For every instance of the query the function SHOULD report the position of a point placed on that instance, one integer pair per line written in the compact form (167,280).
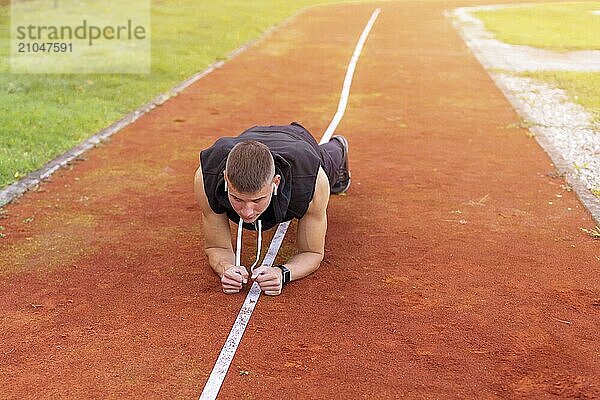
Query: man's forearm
(303,264)
(219,258)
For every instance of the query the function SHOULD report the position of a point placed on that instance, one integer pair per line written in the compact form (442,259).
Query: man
(265,176)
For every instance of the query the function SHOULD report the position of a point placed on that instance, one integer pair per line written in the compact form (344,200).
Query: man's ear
(276,180)
(225,178)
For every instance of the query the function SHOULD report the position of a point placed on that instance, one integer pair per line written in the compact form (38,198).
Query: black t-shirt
(297,161)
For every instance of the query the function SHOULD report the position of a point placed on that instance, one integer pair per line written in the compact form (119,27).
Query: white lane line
(215,380)
(348,79)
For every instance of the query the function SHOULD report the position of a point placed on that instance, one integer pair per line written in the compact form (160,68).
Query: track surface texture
(454,267)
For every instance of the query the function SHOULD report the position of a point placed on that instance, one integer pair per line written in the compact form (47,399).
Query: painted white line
(348,79)
(215,380)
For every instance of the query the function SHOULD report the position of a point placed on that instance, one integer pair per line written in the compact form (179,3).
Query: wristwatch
(287,274)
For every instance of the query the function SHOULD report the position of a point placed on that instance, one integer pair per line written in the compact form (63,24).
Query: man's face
(249,206)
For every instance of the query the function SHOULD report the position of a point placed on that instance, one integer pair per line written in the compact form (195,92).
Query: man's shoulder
(320,199)
(199,192)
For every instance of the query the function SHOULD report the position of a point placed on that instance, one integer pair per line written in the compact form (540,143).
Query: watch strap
(285,273)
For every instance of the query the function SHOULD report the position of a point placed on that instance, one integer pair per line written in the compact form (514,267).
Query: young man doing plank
(265,176)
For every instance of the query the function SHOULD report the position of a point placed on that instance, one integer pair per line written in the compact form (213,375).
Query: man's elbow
(321,256)
(318,260)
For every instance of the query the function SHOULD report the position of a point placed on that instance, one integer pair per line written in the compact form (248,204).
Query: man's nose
(247,210)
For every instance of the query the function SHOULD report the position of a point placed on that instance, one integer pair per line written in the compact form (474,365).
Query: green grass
(582,87)
(560,27)
(556,26)
(42,116)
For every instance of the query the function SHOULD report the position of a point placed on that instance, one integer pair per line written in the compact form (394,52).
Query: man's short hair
(249,166)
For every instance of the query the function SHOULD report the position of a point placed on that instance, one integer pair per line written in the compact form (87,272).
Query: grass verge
(42,116)
(555,26)
(583,88)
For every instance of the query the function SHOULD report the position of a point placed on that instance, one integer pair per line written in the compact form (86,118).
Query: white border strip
(587,198)
(215,380)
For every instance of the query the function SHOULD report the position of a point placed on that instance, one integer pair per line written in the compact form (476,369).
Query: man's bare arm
(217,241)
(312,228)
(310,243)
